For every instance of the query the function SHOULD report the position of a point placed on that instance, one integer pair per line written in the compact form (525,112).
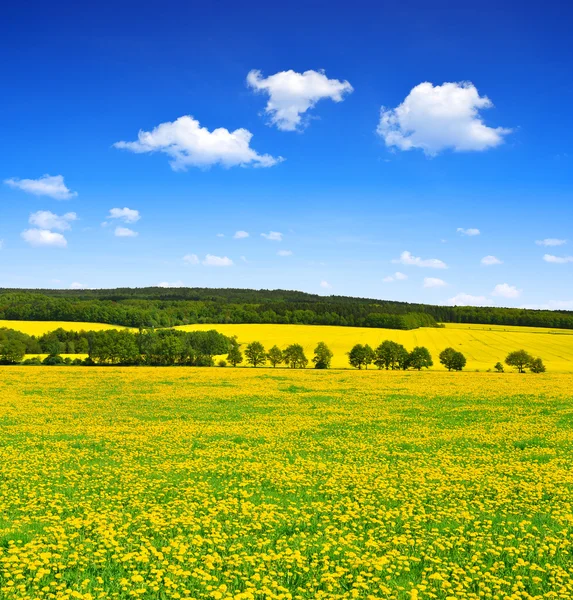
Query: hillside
(168,307)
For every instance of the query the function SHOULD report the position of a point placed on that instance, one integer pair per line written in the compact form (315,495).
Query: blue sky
(353,192)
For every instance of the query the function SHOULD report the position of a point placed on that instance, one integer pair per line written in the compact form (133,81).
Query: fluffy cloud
(190,145)
(433,282)
(292,94)
(490,260)
(125,232)
(47,185)
(127,215)
(76,285)
(240,235)
(470,232)
(406,258)
(463,299)
(44,237)
(273,236)
(551,242)
(44,219)
(434,118)
(558,260)
(284,252)
(166,284)
(504,290)
(325,285)
(191,259)
(217,261)
(396,277)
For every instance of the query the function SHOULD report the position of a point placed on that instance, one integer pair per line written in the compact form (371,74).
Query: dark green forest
(161,307)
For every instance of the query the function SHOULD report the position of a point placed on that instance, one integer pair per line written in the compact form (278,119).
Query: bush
(35,361)
(499,367)
(222,363)
(53,359)
(537,366)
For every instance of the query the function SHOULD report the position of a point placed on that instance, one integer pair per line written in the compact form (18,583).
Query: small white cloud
(127,215)
(274,236)
(406,258)
(47,185)
(558,260)
(470,232)
(551,242)
(244,259)
(189,145)
(504,290)
(217,261)
(221,235)
(292,94)
(44,219)
(550,258)
(285,253)
(44,237)
(166,284)
(125,232)
(325,285)
(191,259)
(396,277)
(433,282)
(463,299)
(240,235)
(490,260)
(76,285)
(434,118)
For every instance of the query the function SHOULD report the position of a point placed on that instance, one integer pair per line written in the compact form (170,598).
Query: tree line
(160,307)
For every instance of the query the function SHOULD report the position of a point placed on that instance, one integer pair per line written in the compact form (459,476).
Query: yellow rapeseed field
(483,345)
(41,327)
(252,484)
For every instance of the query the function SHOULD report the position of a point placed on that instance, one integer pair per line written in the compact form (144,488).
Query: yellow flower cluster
(263,484)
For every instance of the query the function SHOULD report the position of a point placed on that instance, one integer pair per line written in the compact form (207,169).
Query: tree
(386,355)
(519,359)
(498,367)
(537,366)
(402,358)
(12,351)
(322,356)
(256,354)
(452,359)
(420,357)
(275,356)
(235,356)
(356,356)
(369,355)
(294,356)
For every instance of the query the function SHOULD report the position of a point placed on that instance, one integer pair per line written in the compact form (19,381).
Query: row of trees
(292,356)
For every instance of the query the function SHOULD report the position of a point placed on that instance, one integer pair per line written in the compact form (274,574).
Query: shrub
(537,366)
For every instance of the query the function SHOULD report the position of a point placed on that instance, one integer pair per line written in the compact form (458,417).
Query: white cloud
(552,305)
(47,185)
(190,145)
(558,260)
(434,118)
(284,252)
(274,236)
(471,231)
(406,258)
(551,242)
(240,235)
(221,235)
(44,219)
(44,237)
(490,260)
(433,282)
(292,94)
(463,299)
(504,290)
(191,259)
(325,285)
(127,215)
(76,285)
(125,232)
(217,261)
(166,284)
(396,277)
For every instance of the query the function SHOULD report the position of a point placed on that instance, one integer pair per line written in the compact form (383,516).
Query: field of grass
(258,484)
(482,347)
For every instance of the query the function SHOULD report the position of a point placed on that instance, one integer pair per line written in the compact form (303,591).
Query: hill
(168,307)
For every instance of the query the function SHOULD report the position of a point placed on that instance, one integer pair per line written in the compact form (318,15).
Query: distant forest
(167,307)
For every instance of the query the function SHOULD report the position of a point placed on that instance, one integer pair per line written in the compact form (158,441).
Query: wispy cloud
(551,242)
(406,258)
(273,236)
(472,231)
(558,260)
(488,261)
(47,185)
